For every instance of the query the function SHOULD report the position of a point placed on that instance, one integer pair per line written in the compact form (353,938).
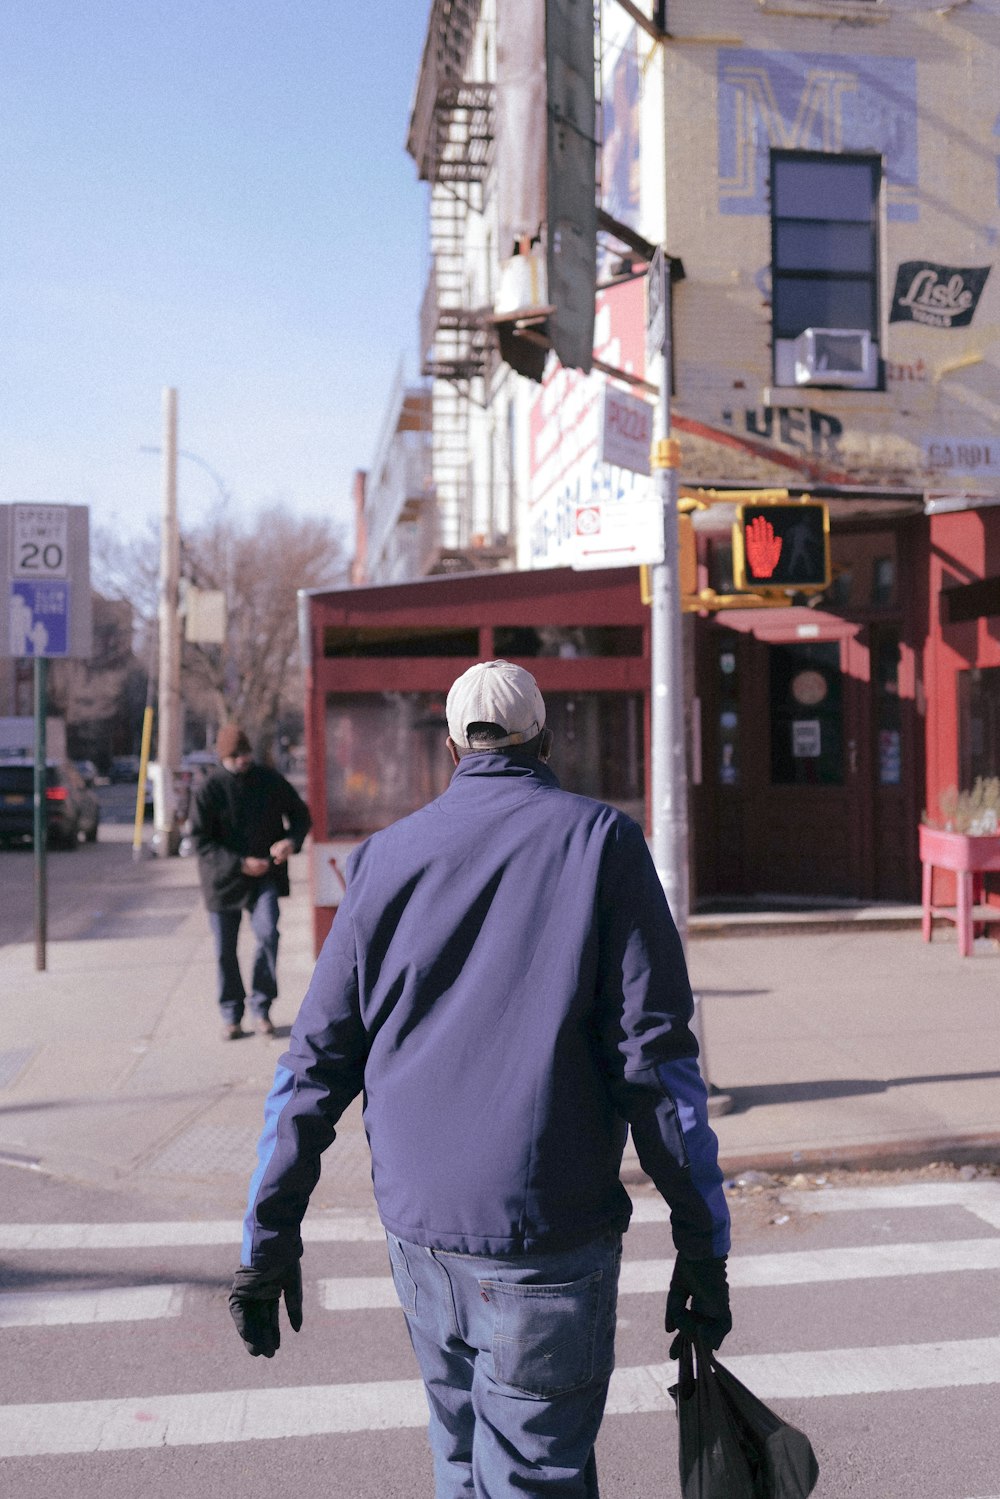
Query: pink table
(969,858)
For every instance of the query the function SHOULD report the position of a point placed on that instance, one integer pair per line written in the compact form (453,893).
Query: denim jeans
(516,1355)
(263,913)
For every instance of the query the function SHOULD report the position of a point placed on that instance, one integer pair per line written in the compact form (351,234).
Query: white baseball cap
(496,692)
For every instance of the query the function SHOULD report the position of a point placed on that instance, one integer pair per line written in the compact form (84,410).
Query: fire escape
(451,138)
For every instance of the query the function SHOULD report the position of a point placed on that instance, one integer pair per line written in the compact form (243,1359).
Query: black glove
(704,1284)
(253,1302)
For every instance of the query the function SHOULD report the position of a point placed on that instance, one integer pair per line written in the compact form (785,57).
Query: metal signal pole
(669,759)
(669,728)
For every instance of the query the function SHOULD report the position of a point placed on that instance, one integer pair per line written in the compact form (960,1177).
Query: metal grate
(209,1150)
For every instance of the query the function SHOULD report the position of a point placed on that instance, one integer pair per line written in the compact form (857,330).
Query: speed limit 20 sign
(40,541)
(45,552)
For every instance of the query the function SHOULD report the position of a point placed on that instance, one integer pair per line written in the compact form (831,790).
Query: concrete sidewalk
(837,1044)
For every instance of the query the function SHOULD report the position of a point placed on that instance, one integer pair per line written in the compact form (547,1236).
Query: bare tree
(259,567)
(259,563)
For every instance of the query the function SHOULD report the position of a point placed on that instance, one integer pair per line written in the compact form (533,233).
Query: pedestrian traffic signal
(782,546)
(687,557)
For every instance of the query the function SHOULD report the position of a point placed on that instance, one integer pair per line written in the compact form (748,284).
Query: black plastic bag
(731,1445)
(713,1464)
(780,1455)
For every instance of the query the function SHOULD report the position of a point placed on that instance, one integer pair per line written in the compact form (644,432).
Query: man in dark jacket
(247,821)
(504,982)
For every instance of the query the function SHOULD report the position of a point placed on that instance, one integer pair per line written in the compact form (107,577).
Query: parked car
(124,768)
(197,766)
(72,811)
(87,769)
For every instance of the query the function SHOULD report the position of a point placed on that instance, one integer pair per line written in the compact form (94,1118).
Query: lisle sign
(939,296)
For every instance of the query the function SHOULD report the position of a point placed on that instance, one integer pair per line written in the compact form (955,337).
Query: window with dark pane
(824,241)
(806,703)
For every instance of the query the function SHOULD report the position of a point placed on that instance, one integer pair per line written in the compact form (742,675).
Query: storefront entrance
(803,743)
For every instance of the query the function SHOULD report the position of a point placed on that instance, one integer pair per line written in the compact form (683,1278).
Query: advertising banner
(939,296)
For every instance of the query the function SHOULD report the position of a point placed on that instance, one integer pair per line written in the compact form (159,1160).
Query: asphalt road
(122,1373)
(72,875)
(872,1321)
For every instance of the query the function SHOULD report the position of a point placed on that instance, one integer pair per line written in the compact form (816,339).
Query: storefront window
(806,715)
(979,723)
(598,745)
(386,754)
(567,641)
(385,757)
(729,712)
(885,662)
(374,641)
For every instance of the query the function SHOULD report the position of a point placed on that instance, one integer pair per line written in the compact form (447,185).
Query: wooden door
(802,803)
(784,807)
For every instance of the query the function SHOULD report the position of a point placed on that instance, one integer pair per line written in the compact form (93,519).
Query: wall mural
(814,101)
(797,427)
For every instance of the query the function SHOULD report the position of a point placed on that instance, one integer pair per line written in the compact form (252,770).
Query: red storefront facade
(963,650)
(379,664)
(817,735)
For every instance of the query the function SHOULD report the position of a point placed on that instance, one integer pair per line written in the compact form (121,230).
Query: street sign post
(46,552)
(46,556)
(669,758)
(669,749)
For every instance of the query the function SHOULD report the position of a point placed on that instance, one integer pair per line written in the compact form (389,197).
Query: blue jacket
(505,983)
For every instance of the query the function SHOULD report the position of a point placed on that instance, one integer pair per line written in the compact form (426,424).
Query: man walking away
(247,822)
(505,983)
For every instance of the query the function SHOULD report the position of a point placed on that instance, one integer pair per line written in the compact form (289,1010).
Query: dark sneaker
(232,1032)
(263,1026)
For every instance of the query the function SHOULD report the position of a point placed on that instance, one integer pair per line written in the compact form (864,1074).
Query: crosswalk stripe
(867,1262)
(372,1292)
(61,1308)
(829,1372)
(348,1293)
(979,1197)
(321,1410)
(315,1230)
(357,1293)
(650,1210)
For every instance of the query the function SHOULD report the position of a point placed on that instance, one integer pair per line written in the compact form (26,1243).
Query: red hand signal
(763,547)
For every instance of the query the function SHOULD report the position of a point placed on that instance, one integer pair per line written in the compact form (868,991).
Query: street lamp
(166,831)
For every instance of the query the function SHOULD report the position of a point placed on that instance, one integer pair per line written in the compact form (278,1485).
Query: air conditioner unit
(835,356)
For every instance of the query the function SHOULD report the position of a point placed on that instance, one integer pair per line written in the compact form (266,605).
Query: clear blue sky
(214,195)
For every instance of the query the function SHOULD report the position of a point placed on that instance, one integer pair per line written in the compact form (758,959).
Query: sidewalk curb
(869,1155)
(769,925)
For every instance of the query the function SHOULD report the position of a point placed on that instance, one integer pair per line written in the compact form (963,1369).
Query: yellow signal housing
(781,544)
